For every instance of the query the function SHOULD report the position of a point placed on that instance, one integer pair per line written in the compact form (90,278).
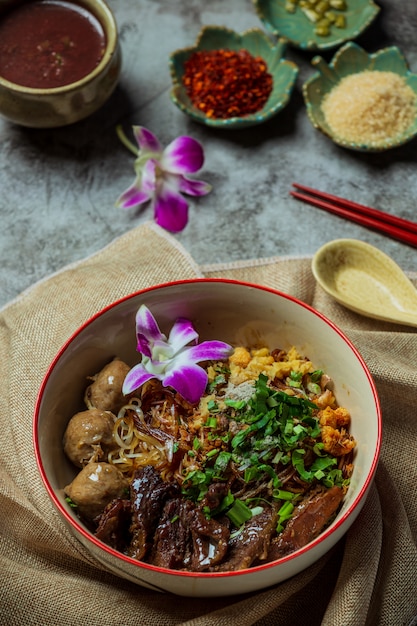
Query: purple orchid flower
(160,177)
(171,360)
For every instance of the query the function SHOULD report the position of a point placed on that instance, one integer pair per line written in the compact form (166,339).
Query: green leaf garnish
(239,513)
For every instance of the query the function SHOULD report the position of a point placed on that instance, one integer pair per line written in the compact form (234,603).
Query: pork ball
(94,487)
(89,436)
(105,392)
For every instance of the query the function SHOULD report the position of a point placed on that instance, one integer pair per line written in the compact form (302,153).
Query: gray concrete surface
(58,187)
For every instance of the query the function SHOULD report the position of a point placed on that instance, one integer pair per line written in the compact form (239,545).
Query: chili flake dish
(226,83)
(206,88)
(208,468)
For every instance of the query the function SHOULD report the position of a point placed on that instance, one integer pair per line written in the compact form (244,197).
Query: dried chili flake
(226,83)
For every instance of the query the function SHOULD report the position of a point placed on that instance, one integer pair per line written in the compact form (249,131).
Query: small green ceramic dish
(352,59)
(300,31)
(284,73)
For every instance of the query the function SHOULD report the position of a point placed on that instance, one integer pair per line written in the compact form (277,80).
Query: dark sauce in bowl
(49,43)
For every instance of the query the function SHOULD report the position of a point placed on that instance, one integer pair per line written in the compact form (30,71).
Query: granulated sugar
(370,107)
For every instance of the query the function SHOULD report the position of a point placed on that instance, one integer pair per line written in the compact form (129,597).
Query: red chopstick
(395,227)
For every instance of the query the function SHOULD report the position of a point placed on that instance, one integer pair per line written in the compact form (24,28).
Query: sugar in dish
(364,102)
(371,107)
(49,43)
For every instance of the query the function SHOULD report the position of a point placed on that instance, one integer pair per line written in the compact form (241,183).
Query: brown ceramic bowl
(63,105)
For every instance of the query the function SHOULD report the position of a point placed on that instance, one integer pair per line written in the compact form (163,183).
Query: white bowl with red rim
(240,314)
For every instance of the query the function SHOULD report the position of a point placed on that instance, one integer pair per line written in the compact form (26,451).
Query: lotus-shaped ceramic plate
(300,31)
(257,43)
(352,59)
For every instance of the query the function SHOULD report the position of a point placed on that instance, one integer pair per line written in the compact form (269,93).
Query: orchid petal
(184,155)
(147,141)
(149,176)
(147,325)
(189,381)
(144,345)
(172,360)
(170,210)
(133,196)
(181,334)
(160,177)
(194,187)
(135,378)
(205,351)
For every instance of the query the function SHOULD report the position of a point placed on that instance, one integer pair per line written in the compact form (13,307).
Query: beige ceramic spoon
(366,280)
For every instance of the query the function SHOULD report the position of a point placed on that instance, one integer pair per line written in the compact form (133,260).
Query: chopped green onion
(323,463)
(222,462)
(257,510)
(280,494)
(235,404)
(211,422)
(295,379)
(284,514)
(239,513)
(314,388)
(252,473)
(297,459)
(316,376)
(227,501)
(218,380)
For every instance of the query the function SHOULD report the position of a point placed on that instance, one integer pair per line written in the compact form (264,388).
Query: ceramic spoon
(366,280)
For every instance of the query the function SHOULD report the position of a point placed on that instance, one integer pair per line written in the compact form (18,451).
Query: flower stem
(125,141)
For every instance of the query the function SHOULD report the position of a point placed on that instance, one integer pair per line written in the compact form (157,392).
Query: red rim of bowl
(209,575)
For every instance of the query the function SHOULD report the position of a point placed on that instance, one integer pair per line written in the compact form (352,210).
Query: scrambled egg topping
(333,424)
(247,365)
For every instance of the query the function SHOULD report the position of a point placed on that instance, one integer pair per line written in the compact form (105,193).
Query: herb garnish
(275,430)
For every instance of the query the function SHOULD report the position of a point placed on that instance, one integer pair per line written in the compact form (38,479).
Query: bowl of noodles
(207,437)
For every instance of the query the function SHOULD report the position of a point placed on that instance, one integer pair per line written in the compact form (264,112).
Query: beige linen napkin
(48,578)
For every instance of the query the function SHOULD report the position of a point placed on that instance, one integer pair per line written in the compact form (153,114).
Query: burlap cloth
(48,578)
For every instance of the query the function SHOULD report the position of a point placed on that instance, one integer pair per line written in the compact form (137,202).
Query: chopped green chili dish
(324,14)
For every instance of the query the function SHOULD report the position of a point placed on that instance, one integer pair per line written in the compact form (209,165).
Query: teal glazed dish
(284,74)
(300,31)
(349,60)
